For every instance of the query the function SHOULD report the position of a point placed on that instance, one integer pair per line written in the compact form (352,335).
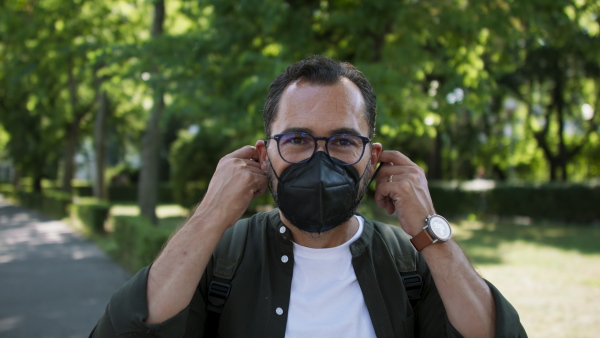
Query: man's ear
(261,149)
(376,150)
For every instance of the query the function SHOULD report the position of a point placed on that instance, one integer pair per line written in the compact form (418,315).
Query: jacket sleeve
(127,311)
(430,309)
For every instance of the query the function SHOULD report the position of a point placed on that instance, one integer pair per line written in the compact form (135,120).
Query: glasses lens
(296,147)
(346,148)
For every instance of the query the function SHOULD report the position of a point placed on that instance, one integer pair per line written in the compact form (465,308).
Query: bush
(92,213)
(126,193)
(83,190)
(56,203)
(138,241)
(51,203)
(563,202)
(7,190)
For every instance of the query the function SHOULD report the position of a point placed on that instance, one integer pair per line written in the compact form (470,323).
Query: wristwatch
(436,228)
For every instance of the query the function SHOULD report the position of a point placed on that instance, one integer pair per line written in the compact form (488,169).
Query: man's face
(321,111)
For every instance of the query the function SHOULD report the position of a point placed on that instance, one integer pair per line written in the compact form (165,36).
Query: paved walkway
(53,282)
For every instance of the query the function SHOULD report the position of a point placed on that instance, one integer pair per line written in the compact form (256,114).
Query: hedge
(125,193)
(92,213)
(138,241)
(563,202)
(51,203)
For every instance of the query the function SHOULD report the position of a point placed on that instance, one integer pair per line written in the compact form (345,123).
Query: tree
(148,183)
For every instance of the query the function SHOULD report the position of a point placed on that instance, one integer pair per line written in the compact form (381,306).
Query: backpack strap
(226,258)
(406,261)
(413,284)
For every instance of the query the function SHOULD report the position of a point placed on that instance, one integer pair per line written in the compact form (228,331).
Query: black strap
(226,258)
(413,284)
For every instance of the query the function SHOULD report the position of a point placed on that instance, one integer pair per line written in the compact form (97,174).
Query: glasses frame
(277,138)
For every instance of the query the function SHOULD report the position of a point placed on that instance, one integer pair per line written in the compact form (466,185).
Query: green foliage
(442,72)
(138,240)
(92,213)
(126,193)
(193,160)
(562,202)
(52,203)
(7,191)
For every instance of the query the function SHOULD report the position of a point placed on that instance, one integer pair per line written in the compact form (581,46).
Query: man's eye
(294,139)
(343,142)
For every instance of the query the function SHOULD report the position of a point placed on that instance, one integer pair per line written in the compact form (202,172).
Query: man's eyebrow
(345,131)
(332,132)
(298,130)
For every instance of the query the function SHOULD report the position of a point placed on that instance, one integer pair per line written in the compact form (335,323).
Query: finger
(388,172)
(261,185)
(395,157)
(253,164)
(254,169)
(246,152)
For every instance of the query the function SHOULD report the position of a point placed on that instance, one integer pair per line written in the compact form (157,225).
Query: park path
(53,282)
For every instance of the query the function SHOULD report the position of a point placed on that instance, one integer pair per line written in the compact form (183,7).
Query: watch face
(440,228)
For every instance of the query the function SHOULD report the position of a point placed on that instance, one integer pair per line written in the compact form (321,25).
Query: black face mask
(318,195)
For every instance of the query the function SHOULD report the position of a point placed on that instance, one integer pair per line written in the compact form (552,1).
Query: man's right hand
(237,180)
(176,272)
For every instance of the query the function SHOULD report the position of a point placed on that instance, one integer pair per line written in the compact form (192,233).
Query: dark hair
(321,71)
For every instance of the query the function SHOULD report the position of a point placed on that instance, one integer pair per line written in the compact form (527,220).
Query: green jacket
(263,281)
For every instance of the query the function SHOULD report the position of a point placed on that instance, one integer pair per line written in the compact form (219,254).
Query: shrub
(92,213)
(55,203)
(138,241)
(7,190)
(563,202)
(125,193)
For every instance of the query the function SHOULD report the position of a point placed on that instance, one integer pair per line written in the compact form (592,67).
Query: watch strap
(421,240)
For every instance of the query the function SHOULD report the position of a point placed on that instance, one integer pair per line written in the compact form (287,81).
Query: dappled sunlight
(549,272)
(162,211)
(9,323)
(51,232)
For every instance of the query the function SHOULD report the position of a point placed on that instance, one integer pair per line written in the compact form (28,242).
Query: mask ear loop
(375,174)
(274,173)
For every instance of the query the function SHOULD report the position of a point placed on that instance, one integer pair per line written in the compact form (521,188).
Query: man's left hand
(402,188)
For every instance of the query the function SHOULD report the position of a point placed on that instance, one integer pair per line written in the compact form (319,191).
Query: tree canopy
(500,89)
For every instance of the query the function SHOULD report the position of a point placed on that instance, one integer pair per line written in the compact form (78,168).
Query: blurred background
(114,114)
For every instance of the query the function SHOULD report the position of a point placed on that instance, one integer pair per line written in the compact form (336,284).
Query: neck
(329,239)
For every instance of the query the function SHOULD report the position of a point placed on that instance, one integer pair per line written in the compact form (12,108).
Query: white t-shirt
(326,300)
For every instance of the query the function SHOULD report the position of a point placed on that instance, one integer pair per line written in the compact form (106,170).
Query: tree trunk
(100,143)
(553,169)
(434,171)
(73,129)
(37,184)
(70,148)
(148,182)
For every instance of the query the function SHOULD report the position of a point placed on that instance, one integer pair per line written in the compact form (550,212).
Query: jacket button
(282,230)
(279,311)
(284,258)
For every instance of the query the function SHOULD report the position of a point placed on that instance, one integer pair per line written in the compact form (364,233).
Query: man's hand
(406,194)
(176,272)
(402,188)
(236,181)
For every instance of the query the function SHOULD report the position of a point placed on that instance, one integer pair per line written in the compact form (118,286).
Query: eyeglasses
(344,149)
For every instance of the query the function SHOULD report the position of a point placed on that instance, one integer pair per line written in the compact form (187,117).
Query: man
(312,268)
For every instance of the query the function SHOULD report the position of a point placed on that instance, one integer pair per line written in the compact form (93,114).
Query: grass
(169,215)
(549,272)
